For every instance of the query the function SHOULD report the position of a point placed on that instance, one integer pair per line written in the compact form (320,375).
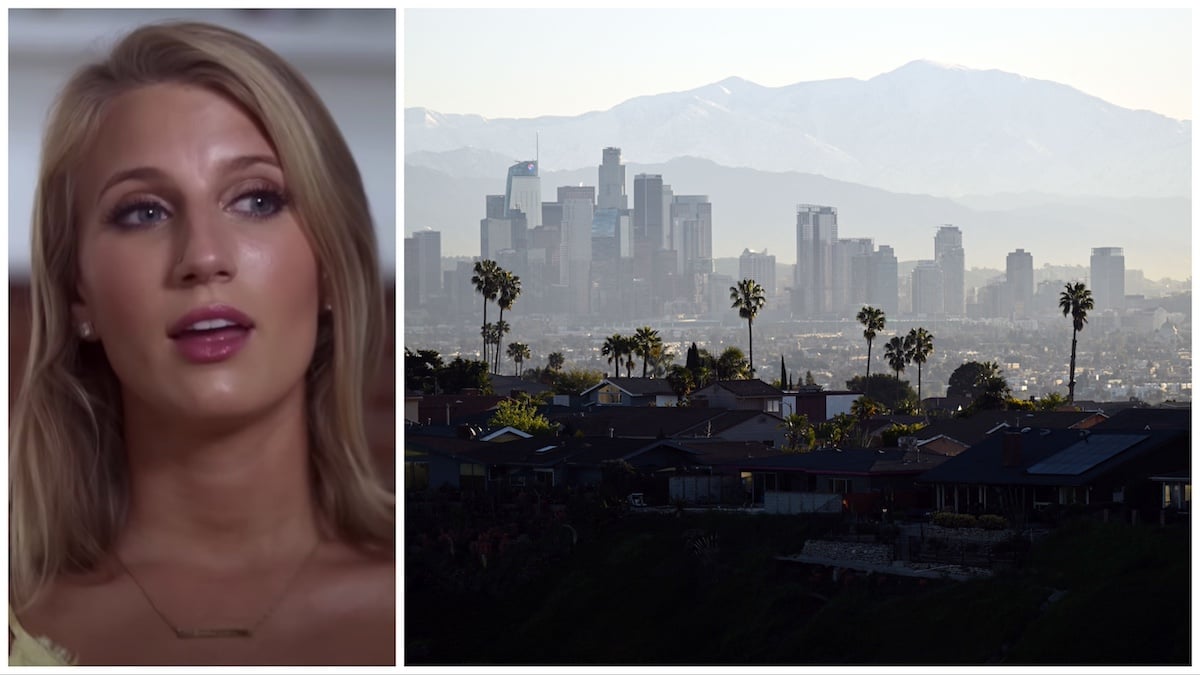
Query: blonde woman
(189,474)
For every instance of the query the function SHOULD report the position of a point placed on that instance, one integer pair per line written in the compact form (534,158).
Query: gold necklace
(221,632)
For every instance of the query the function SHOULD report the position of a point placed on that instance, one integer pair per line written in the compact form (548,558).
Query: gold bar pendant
(195,633)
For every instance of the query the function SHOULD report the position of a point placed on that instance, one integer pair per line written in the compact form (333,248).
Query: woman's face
(193,269)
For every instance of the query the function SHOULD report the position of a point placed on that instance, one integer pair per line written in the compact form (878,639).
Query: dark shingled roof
(636,386)
(856,462)
(651,422)
(748,388)
(982,464)
(1137,419)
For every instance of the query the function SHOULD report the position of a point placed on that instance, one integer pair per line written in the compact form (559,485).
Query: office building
(612,182)
(948,253)
(816,230)
(1018,275)
(428,273)
(1108,278)
(883,284)
(850,272)
(523,192)
(575,253)
(759,266)
(928,289)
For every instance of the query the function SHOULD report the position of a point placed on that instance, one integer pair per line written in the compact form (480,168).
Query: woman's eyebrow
(147,173)
(246,161)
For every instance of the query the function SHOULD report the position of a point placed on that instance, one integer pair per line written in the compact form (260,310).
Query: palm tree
(518,352)
(628,344)
(896,354)
(508,288)
(499,330)
(1075,301)
(798,433)
(486,280)
(748,297)
(920,346)
(613,346)
(644,341)
(661,358)
(873,320)
(555,361)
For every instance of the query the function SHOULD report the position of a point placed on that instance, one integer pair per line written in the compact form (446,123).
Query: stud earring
(86,331)
(328,307)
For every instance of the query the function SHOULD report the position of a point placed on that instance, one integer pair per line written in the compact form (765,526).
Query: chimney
(1011,444)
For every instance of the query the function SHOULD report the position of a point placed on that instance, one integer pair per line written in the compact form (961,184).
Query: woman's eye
(259,204)
(142,214)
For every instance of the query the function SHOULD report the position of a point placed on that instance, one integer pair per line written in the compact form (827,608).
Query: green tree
(420,370)
(836,431)
(555,361)
(518,352)
(680,379)
(889,392)
(645,341)
(461,374)
(873,321)
(732,365)
(798,433)
(920,346)
(521,413)
(966,381)
(748,298)
(1075,301)
(576,381)
(508,289)
(487,283)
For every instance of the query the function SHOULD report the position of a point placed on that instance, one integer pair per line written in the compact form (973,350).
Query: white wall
(349,56)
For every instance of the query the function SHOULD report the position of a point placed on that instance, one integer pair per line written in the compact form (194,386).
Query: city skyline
(1152,70)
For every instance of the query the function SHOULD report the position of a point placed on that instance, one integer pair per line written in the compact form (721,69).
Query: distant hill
(923,128)
(756,209)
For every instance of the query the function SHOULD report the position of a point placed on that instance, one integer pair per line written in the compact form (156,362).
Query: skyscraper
(1018,275)
(524,192)
(578,208)
(948,253)
(816,230)
(691,227)
(759,266)
(1108,277)
(850,266)
(612,182)
(648,211)
(423,266)
(883,284)
(928,289)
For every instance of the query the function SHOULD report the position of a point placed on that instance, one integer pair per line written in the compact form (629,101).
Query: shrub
(954,520)
(993,522)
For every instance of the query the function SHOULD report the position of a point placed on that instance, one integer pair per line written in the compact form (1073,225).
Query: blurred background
(349,56)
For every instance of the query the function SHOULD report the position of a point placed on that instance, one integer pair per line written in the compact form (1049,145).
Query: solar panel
(1086,454)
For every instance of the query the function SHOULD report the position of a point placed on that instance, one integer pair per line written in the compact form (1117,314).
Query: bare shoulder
(353,608)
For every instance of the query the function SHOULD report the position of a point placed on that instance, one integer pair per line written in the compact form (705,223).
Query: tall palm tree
(498,331)
(920,346)
(518,352)
(486,281)
(555,361)
(748,297)
(645,339)
(628,345)
(612,348)
(873,321)
(896,354)
(1075,301)
(508,288)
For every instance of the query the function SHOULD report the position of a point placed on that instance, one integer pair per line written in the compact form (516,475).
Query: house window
(839,486)
(543,477)
(772,406)
(470,469)
(608,395)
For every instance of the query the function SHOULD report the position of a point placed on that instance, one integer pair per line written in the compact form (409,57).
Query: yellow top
(27,650)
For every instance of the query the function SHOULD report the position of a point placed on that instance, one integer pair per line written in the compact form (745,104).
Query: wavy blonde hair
(67,474)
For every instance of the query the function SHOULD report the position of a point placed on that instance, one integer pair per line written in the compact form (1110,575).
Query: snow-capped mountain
(924,128)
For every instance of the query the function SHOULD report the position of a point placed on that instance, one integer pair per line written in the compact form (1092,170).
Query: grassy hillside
(706,589)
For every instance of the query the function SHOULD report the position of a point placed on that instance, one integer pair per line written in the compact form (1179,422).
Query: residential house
(674,422)
(630,391)
(740,395)
(1018,471)
(819,405)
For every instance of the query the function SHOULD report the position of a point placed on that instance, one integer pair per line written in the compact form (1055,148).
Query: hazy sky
(532,62)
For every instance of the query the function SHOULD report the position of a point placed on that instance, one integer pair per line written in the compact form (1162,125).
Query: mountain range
(1014,161)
